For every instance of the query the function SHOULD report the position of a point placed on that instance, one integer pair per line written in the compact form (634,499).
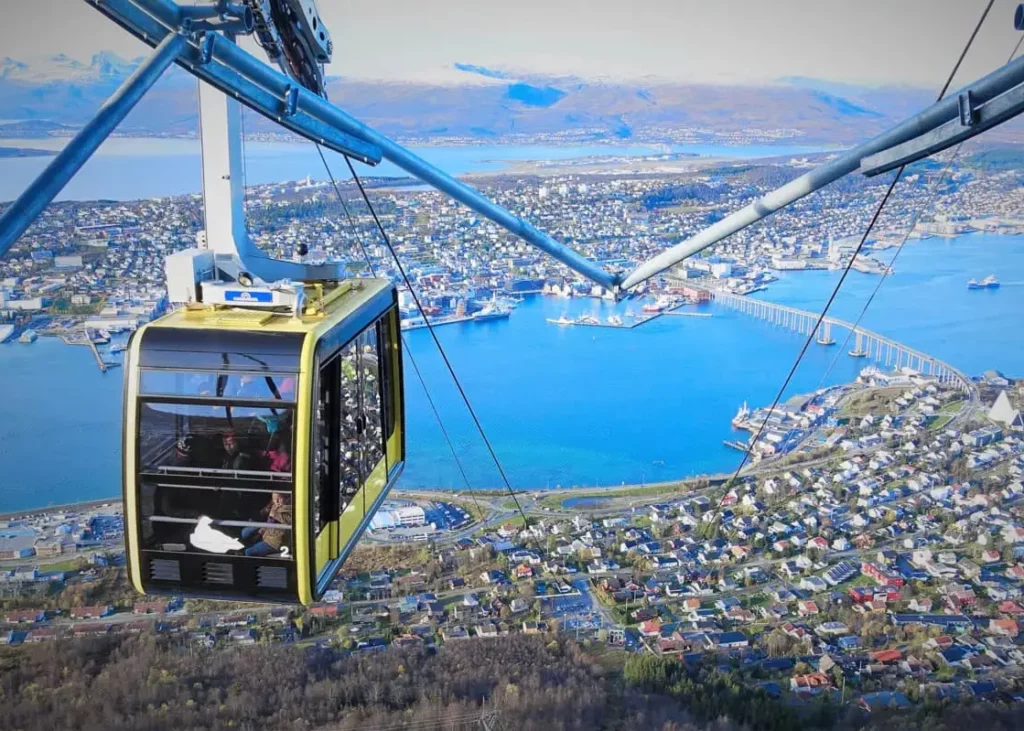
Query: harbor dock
(83,338)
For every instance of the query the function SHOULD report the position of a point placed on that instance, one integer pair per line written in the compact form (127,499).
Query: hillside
(146,683)
(489,105)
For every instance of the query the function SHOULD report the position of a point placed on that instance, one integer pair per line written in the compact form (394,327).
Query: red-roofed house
(809,683)
(887,656)
(651,628)
(43,634)
(794,630)
(1015,572)
(26,615)
(806,608)
(324,610)
(963,597)
(1010,607)
(1005,626)
(942,642)
(818,543)
(876,572)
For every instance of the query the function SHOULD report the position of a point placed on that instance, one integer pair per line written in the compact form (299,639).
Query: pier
(83,338)
(96,353)
(867,344)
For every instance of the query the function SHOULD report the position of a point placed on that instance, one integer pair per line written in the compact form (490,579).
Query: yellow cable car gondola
(259,443)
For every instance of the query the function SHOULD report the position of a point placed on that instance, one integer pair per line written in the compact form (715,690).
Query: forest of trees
(151,682)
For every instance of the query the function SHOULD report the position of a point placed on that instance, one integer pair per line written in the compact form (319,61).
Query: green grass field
(72,564)
(555,501)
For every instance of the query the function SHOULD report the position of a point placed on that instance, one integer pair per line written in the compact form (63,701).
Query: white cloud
(869,41)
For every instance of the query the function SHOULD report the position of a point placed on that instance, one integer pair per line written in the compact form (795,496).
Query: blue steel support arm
(990,88)
(319,108)
(68,161)
(228,56)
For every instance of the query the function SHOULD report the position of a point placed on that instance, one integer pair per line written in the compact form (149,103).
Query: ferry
(492,312)
(989,282)
(563,320)
(29,336)
(5,332)
(658,305)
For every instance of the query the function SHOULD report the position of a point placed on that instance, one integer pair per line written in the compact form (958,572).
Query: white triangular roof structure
(1002,412)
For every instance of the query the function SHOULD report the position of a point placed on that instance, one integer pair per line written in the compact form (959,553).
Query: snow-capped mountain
(103,66)
(66,92)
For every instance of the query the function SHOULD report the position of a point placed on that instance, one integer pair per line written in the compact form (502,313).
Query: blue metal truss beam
(23,211)
(238,73)
(987,89)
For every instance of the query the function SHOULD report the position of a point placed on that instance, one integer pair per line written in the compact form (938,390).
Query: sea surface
(131,168)
(564,406)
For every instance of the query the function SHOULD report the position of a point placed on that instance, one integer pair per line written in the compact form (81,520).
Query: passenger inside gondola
(215,460)
(234,457)
(265,541)
(278,456)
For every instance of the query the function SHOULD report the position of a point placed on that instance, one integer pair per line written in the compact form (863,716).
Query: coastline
(76,507)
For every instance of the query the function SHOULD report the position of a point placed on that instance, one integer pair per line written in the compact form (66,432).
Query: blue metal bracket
(965,106)
(291,101)
(206,48)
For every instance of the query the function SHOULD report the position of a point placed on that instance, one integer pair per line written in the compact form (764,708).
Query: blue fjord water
(130,168)
(563,405)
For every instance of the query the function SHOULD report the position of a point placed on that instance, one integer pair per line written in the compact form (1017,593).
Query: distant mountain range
(43,98)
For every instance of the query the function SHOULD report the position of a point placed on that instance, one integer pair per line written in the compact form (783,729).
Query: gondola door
(325,474)
(363,463)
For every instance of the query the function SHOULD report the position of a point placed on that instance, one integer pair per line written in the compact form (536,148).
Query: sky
(732,41)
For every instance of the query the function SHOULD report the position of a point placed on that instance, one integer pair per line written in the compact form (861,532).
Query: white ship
(5,332)
(563,320)
(741,415)
(29,336)
(492,311)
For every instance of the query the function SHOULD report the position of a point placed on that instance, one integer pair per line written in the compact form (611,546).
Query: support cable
(408,350)
(437,342)
(930,201)
(811,334)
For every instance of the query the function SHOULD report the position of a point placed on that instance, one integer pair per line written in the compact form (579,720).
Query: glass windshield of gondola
(215,465)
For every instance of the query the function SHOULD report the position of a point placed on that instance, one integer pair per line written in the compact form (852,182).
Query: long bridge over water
(867,344)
